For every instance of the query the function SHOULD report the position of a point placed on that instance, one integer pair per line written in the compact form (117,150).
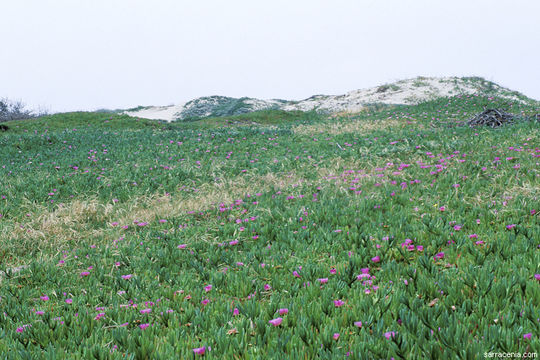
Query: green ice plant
(126,238)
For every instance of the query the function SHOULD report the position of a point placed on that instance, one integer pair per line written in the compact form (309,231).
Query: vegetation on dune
(387,233)
(218,106)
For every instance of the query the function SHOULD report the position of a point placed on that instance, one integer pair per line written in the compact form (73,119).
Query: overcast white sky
(84,55)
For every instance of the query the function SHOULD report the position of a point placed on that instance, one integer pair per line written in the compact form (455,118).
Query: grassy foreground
(387,234)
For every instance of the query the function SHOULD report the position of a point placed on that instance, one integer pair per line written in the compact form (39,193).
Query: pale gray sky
(83,55)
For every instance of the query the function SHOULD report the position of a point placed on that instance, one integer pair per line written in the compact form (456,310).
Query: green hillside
(397,232)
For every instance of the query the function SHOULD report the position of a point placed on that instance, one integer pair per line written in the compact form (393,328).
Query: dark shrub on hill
(16,110)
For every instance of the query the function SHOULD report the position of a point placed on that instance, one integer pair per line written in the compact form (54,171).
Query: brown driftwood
(492,118)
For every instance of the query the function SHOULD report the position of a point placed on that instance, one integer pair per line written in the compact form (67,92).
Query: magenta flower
(20,329)
(205,301)
(511,226)
(363,276)
(182,246)
(323,280)
(376,259)
(85,273)
(276,321)
(234,242)
(333,271)
(144,326)
(338,303)
(537,277)
(208,288)
(69,301)
(527,336)
(336,336)
(419,248)
(358,324)
(44,298)
(283,311)
(389,334)
(146,311)
(295,273)
(236,311)
(439,256)
(200,351)
(40,312)
(126,277)
(267,287)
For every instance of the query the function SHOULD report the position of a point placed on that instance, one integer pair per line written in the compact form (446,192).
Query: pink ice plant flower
(376,259)
(338,303)
(283,311)
(358,324)
(200,351)
(276,321)
(336,336)
(439,256)
(323,280)
(389,334)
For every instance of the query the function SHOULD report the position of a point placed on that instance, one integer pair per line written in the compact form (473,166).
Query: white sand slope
(404,92)
(168,113)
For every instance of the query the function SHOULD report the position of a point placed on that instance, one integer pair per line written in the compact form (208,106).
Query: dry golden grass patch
(208,195)
(499,194)
(53,230)
(76,221)
(526,189)
(66,223)
(348,125)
